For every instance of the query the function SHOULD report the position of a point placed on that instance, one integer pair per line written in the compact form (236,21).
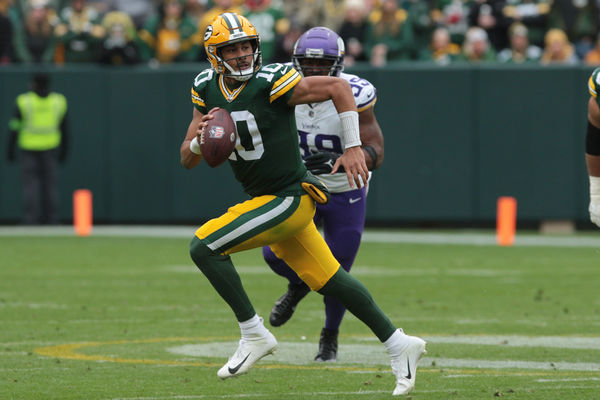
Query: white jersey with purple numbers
(320,129)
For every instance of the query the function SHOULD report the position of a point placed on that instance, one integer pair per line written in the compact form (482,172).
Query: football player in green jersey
(592,146)
(267,162)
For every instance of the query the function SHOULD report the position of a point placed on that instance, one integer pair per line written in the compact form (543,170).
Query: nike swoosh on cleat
(235,369)
(407,363)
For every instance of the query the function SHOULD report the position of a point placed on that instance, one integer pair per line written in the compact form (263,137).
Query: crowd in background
(379,32)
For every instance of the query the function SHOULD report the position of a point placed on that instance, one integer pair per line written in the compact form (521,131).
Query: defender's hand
(353,161)
(322,162)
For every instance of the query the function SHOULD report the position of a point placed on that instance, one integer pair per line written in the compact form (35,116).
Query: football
(218,140)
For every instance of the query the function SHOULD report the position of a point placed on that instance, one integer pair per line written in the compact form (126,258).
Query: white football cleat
(249,351)
(404,366)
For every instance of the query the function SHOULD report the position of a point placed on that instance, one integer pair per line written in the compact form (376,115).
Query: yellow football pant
(283,223)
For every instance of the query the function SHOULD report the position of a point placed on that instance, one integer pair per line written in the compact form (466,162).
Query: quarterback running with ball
(267,163)
(320,52)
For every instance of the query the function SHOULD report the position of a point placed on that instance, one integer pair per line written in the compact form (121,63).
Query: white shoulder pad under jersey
(320,129)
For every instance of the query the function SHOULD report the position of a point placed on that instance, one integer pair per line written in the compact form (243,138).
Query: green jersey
(594,85)
(266,159)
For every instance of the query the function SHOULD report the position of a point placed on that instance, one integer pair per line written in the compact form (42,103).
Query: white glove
(595,199)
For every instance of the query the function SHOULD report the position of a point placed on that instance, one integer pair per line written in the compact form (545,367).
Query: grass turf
(99,317)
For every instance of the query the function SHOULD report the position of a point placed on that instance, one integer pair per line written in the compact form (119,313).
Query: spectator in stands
(119,47)
(579,20)
(196,9)
(531,13)
(220,7)
(270,22)
(34,42)
(390,36)
(558,49)
(318,12)
(354,30)
(592,57)
(420,20)
(79,34)
(170,36)
(284,47)
(39,129)
(441,50)
(101,6)
(138,10)
(488,15)
(520,51)
(452,14)
(476,47)
(6,34)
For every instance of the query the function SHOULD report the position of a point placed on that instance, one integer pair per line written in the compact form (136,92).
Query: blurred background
(476,100)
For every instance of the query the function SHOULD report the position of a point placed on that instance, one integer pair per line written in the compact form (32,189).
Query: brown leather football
(218,140)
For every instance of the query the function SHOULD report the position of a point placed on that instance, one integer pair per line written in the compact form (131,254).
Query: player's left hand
(353,161)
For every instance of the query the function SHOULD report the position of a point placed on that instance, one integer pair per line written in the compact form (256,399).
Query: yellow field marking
(68,351)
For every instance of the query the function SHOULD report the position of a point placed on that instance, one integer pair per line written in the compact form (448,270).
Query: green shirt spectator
(440,50)
(34,41)
(270,22)
(390,35)
(476,47)
(78,34)
(170,36)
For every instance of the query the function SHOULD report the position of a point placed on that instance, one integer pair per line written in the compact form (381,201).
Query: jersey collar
(230,95)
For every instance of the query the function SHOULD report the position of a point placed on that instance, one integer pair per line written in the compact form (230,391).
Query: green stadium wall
(456,138)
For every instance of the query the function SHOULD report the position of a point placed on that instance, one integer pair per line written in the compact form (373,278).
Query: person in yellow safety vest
(39,127)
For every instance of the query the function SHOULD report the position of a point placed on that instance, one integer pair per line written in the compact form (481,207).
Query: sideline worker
(39,126)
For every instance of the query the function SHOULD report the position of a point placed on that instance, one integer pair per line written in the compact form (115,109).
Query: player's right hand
(353,161)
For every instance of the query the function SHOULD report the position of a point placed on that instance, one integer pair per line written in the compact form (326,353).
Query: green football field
(126,315)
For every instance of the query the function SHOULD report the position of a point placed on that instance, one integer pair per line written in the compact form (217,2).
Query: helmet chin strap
(241,75)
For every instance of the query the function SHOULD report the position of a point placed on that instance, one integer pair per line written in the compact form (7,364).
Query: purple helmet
(320,43)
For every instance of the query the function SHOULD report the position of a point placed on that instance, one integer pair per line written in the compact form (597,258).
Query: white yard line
(460,237)
(257,395)
(300,353)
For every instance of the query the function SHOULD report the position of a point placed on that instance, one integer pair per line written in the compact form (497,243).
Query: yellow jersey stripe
(284,84)
(368,105)
(228,94)
(592,87)
(196,99)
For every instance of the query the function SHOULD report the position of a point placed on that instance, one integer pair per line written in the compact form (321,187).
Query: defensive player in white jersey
(320,51)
